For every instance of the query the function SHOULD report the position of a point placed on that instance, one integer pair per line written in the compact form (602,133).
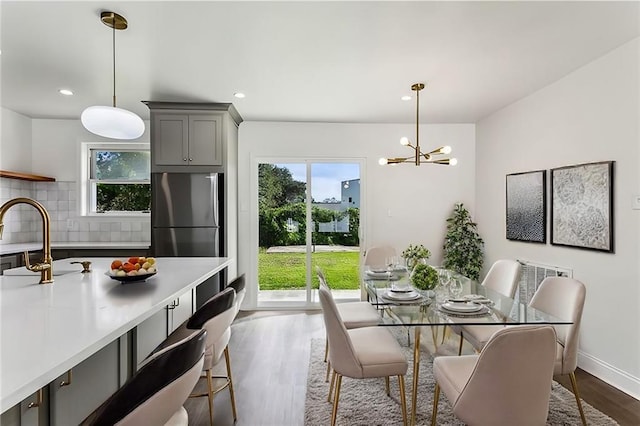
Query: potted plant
(424,277)
(413,254)
(463,247)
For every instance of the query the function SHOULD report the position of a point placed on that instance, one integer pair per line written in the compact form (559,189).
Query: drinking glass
(455,288)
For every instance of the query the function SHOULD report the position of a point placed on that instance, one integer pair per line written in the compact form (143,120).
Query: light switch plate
(636,202)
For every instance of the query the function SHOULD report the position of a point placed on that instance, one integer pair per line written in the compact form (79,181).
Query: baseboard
(608,373)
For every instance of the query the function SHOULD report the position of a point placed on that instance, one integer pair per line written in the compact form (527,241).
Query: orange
(116,264)
(133,260)
(128,267)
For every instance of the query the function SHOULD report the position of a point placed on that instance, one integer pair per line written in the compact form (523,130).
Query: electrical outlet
(69,224)
(636,202)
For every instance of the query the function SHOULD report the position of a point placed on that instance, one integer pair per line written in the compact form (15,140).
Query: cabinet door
(170,139)
(9,261)
(149,334)
(23,415)
(205,140)
(181,311)
(92,382)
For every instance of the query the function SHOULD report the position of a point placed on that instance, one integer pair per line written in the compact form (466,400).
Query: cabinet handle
(190,159)
(184,159)
(68,381)
(38,401)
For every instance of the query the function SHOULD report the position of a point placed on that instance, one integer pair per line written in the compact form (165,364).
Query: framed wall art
(582,206)
(527,206)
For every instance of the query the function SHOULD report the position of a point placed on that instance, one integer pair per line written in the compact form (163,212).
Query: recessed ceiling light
(406,98)
(239,95)
(65,92)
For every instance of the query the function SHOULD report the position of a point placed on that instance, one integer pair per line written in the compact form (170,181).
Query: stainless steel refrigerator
(187,219)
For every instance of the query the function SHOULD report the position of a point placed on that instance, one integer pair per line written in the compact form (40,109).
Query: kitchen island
(47,329)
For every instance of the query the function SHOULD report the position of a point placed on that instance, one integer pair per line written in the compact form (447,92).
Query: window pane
(120,165)
(123,197)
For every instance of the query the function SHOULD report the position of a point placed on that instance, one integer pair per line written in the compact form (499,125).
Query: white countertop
(46,329)
(12,248)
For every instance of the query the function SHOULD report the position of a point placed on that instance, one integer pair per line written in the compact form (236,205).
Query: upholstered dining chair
(353,315)
(377,255)
(508,383)
(156,392)
(563,298)
(503,278)
(360,353)
(215,316)
(238,284)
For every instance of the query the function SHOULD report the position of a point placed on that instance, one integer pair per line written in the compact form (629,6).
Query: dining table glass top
(473,305)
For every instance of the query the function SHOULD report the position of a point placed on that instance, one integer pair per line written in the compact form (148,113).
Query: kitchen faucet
(46,266)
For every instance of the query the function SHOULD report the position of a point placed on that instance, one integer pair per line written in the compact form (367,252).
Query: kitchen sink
(24,271)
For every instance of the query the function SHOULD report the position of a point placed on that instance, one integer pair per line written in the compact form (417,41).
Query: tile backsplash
(22,223)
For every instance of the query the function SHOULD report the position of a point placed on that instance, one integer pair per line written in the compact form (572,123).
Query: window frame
(88,187)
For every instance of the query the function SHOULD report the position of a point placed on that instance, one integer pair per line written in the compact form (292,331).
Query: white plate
(461,307)
(378,274)
(476,298)
(482,311)
(411,295)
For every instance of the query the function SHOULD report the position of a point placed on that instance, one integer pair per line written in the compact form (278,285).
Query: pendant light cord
(114,60)
(418,127)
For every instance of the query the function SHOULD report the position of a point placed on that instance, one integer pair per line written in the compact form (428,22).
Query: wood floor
(270,356)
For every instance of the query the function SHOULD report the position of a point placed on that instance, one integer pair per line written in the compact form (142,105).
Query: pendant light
(418,157)
(111,121)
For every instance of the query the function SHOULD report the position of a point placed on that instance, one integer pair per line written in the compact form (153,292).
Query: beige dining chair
(508,383)
(503,277)
(353,315)
(361,353)
(564,298)
(377,255)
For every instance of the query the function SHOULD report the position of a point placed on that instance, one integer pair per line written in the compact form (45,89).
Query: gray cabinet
(74,395)
(10,261)
(33,411)
(196,137)
(187,140)
(152,331)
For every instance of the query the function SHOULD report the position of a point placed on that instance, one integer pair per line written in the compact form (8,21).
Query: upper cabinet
(198,137)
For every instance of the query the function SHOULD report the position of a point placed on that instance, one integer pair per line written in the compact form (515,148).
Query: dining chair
(154,395)
(564,298)
(361,353)
(503,277)
(508,383)
(238,284)
(377,255)
(215,316)
(353,315)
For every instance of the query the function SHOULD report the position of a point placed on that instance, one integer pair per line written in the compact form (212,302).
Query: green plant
(463,247)
(424,277)
(413,253)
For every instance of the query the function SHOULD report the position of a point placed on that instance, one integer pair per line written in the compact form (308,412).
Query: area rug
(364,402)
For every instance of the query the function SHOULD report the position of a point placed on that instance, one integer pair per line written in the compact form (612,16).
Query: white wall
(15,142)
(401,204)
(590,115)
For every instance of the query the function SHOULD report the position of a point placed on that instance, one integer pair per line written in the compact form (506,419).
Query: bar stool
(156,392)
(238,285)
(215,316)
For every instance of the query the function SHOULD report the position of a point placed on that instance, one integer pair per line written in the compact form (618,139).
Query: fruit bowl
(133,269)
(130,278)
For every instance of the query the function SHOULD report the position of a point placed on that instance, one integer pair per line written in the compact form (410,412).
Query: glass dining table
(402,306)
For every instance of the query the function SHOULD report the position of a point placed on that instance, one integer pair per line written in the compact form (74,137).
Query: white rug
(364,402)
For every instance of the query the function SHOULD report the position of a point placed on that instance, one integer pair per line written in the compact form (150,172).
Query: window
(118,179)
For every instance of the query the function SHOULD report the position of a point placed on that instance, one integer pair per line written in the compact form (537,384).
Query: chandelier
(419,157)
(107,121)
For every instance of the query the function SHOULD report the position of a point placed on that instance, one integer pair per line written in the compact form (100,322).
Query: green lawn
(283,271)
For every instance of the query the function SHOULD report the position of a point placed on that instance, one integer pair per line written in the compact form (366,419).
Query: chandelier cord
(418,153)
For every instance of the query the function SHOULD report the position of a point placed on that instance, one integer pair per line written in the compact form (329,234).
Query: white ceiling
(302,61)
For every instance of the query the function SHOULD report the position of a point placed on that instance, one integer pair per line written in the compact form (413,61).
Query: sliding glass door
(309,217)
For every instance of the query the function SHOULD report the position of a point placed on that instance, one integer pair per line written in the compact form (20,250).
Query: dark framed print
(582,206)
(527,206)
